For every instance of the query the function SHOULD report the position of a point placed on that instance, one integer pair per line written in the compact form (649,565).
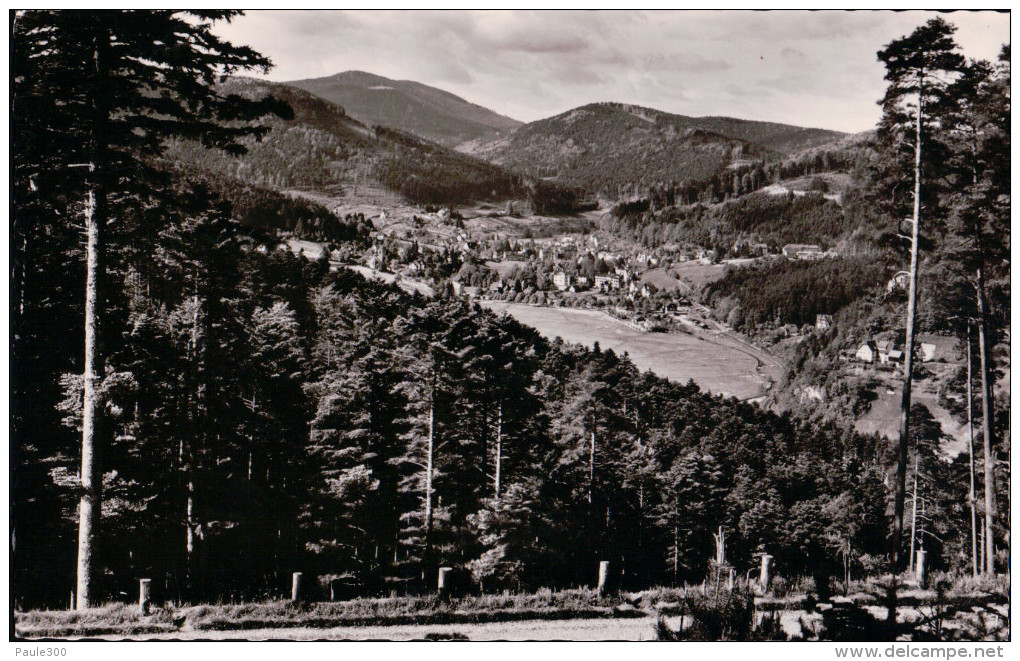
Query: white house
(802,251)
(867,352)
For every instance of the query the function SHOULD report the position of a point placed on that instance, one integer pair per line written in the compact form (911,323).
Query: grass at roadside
(124,619)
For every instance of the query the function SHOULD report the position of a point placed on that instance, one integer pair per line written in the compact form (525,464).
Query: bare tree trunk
(908,368)
(426,554)
(676,550)
(194,534)
(970,493)
(913,516)
(499,447)
(428,470)
(90,505)
(986,426)
(982,546)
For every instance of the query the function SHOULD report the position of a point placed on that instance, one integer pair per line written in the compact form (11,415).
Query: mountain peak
(410,106)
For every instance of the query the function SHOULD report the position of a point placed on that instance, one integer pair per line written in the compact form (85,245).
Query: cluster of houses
(806,252)
(885,352)
(620,280)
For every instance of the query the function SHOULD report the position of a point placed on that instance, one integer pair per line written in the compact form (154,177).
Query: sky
(815,69)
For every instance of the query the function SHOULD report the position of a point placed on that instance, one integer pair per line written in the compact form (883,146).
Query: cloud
(685,62)
(817,68)
(543,43)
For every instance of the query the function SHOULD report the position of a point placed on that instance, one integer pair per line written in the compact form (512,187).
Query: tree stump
(920,569)
(766,572)
(443,584)
(143,595)
(603,577)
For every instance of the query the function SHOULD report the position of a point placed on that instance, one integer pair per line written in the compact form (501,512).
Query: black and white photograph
(509,325)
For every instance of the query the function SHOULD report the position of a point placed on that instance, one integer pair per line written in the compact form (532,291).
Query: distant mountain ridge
(322,148)
(783,138)
(607,147)
(409,106)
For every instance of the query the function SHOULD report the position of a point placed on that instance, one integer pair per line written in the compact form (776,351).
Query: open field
(884,418)
(697,273)
(723,370)
(663,281)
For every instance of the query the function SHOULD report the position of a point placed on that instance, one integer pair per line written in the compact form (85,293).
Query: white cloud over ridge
(798,67)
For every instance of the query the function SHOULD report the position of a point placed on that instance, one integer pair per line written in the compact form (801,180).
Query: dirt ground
(574,630)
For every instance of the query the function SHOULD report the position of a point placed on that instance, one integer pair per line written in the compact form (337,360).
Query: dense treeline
(792,292)
(775,220)
(266,209)
(427,173)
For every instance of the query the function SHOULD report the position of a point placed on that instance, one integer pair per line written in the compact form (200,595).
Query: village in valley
(489,254)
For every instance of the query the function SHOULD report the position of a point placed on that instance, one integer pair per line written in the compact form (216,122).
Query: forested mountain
(619,150)
(758,217)
(782,138)
(408,106)
(788,292)
(323,148)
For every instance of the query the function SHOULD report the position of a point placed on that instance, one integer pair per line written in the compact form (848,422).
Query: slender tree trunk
(193,526)
(676,549)
(908,368)
(428,470)
(90,505)
(499,447)
(970,493)
(427,552)
(591,463)
(913,516)
(982,546)
(986,426)
(190,534)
